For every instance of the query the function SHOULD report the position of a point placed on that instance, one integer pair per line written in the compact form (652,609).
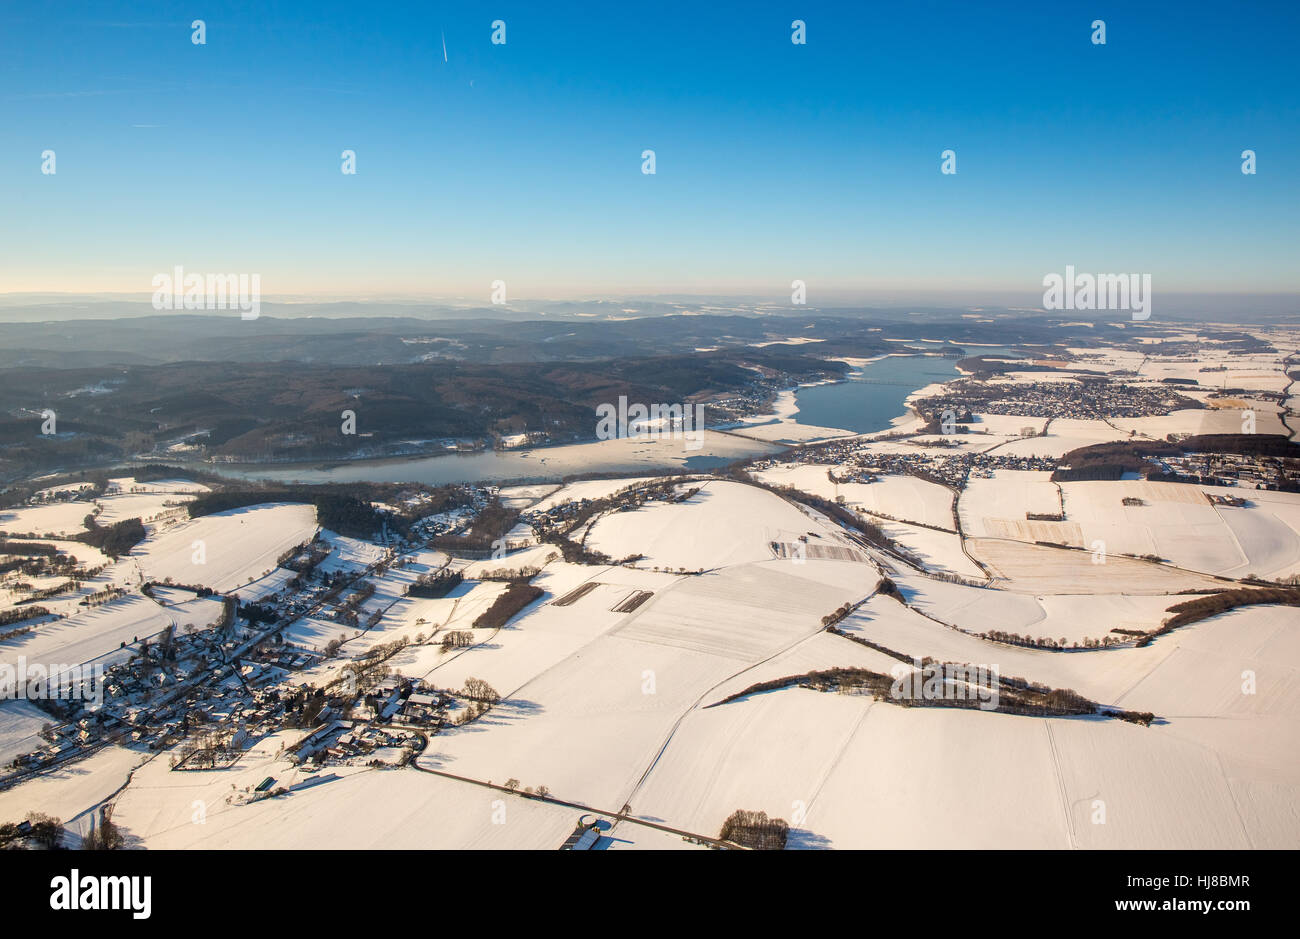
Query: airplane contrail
(444,46)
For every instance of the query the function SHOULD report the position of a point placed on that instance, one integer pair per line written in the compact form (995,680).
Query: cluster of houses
(984,465)
(1086,399)
(1234,469)
(348,743)
(451,522)
(561,517)
(71,492)
(402,701)
(853,461)
(159,695)
(383,725)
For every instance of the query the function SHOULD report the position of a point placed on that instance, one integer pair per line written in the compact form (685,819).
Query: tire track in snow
(627,802)
(1060,786)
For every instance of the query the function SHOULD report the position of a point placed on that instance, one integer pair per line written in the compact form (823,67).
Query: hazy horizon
(27,307)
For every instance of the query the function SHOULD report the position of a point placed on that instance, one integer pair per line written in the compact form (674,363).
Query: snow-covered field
(585,489)
(996,506)
(1073,616)
(315,633)
(226,550)
(56,519)
(1031,568)
(722,524)
(905,498)
(20,726)
(1063,435)
(102,630)
(591,693)
(71,793)
(1206,421)
(349,555)
(546,634)
(856,773)
(1174,521)
(131,484)
(273,583)
(146,506)
(124,498)
(521,497)
(536,556)
(852,773)
(937,550)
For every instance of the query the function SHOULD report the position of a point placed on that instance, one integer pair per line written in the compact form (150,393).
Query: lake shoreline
(770,434)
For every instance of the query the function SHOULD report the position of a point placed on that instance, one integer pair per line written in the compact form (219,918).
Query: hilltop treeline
(152,472)
(862,641)
(1193,611)
(984,366)
(28,549)
(1110,461)
(1012,695)
(1247,444)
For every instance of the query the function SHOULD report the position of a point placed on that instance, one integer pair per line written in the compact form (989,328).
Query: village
(232,681)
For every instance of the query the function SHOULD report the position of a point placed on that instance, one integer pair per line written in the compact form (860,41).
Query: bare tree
(479,690)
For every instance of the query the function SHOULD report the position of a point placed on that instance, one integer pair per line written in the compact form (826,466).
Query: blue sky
(774,161)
